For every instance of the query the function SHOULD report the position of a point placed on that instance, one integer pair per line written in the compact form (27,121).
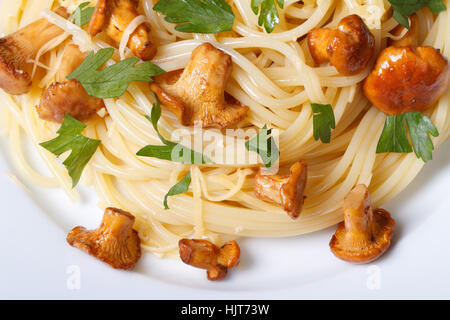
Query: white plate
(36,261)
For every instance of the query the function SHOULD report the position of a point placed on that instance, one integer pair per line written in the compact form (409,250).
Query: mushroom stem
(358,215)
(32,37)
(18,47)
(71,59)
(318,42)
(98,18)
(285,190)
(116,223)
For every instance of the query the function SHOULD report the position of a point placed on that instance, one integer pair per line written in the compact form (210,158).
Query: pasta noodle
(272,75)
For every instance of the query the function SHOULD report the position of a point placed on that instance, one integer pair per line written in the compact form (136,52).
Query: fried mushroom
(285,190)
(197,94)
(114,242)
(407,79)
(349,47)
(365,234)
(206,255)
(318,40)
(68,96)
(18,48)
(113,17)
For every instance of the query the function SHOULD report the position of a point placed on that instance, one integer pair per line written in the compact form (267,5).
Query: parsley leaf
(112,81)
(181,187)
(197,16)
(323,121)
(265,147)
(82,15)
(394,137)
(404,8)
(268,14)
(419,126)
(70,138)
(170,150)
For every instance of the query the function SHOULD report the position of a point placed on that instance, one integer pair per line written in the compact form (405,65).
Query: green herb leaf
(419,126)
(264,146)
(170,150)
(323,121)
(154,118)
(394,137)
(268,15)
(82,15)
(404,8)
(197,16)
(112,81)
(181,187)
(70,138)
(160,152)
(175,153)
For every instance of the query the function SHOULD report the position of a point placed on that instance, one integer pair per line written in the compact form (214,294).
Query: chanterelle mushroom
(365,234)
(68,96)
(206,255)
(198,93)
(407,79)
(349,47)
(113,17)
(19,47)
(286,190)
(114,242)
(411,37)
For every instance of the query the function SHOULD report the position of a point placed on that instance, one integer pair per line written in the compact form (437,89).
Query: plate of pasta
(187,133)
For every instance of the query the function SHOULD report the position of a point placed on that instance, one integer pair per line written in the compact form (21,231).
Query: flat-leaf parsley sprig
(70,138)
(197,16)
(264,146)
(112,81)
(394,137)
(268,13)
(323,121)
(83,14)
(170,150)
(180,187)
